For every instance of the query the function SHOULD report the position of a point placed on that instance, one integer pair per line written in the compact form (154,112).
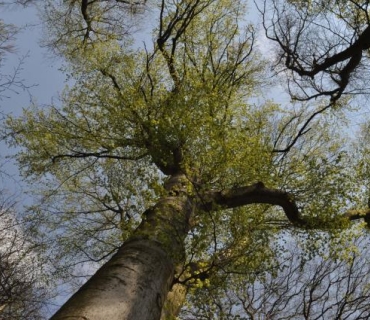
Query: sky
(39,67)
(39,71)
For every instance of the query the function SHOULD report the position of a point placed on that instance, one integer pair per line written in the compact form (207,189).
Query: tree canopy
(191,102)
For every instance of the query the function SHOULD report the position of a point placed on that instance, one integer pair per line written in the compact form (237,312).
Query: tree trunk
(174,301)
(134,283)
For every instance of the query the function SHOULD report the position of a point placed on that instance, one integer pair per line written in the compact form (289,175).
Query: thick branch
(256,193)
(352,52)
(84,8)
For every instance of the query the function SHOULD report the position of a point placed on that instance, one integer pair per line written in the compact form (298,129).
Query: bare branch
(303,130)
(320,55)
(101,155)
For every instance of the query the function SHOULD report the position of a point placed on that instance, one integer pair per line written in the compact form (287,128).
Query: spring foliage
(190,100)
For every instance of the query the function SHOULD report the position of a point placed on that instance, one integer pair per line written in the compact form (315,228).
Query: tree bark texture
(134,283)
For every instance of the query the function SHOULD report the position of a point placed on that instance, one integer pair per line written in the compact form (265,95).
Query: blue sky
(39,70)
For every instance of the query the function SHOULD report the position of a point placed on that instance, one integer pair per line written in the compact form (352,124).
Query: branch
(358,214)
(176,27)
(302,131)
(85,8)
(102,154)
(291,33)
(256,193)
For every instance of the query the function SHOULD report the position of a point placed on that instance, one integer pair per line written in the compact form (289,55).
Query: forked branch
(325,63)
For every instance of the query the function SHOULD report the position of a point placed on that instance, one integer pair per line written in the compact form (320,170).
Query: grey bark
(134,283)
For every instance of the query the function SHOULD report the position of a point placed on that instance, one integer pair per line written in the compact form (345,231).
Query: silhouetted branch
(324,65)
(303,130)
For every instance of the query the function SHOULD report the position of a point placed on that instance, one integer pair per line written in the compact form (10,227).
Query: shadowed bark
(256,193)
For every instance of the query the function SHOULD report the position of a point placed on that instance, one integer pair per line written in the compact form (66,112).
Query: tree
(23,294)
(322,46)
(161,156)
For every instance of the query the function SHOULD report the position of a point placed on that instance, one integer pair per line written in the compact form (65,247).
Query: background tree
(160,155)
(321,48)
(23,293)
